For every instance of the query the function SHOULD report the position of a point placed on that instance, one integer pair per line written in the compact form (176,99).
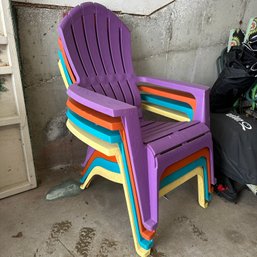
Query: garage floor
(95,223)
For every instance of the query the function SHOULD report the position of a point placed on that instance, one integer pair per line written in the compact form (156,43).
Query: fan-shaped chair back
(98,46)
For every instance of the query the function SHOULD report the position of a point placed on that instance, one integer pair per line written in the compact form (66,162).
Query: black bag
(235,147)
(235,79)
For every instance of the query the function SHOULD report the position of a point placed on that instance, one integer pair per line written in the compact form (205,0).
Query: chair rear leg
(100,171)
(200,178)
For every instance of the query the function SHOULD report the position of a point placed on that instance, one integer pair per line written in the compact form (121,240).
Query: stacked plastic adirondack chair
(105,104)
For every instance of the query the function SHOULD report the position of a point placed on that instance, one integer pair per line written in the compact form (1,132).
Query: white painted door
(17,172)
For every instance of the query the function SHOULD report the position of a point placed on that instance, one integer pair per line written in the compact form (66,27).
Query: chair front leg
(154,183)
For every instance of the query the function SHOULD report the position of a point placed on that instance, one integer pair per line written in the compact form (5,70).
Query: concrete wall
(145,7)
(179,41)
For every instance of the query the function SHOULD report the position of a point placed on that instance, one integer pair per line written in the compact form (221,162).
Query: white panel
(145,7)
(13,169)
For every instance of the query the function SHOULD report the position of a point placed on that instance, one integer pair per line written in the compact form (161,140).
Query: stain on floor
(107,246)
(86,236)
(155,253)
(195,230)
(18,235)
(234,236)
(57,229)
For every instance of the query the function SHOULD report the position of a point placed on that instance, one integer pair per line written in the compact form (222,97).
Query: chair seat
(161,137)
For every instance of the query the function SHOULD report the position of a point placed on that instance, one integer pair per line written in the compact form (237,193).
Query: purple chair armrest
(200,92)
(174,84)
(130,120)
(98,102)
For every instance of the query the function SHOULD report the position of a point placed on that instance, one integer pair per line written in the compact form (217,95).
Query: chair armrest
(174,84)
(130,120)
(199,92)
(98,102)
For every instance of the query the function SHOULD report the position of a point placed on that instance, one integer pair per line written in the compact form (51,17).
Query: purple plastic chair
(98,48)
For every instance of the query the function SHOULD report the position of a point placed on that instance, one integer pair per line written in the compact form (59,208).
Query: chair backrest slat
(125,43)
(115,47)
(102,26)
(78,28)
(71,49)
(98,48)
(91,36)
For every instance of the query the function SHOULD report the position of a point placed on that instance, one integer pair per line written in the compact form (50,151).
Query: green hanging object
(251,31)
(236,37)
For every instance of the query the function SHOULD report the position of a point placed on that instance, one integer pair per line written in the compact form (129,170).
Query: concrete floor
(95,223)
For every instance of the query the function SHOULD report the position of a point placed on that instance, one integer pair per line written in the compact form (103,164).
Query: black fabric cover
(235,147)
(235,79)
